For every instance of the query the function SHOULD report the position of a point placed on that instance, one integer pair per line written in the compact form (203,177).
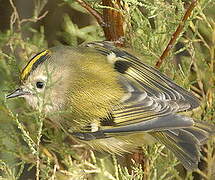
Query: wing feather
(148,93)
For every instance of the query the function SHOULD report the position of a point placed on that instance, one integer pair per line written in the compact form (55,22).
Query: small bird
(112,101)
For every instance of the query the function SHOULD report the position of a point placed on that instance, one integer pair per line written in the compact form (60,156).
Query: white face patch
(36,96)
(39,83)
(42,78)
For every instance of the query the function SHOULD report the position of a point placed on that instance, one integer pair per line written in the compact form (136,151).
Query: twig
(14,17)
(111,20)
(93,12)
(39,135)
(176,33)
(34,19)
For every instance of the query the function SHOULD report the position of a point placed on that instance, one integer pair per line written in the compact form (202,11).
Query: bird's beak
(17,93)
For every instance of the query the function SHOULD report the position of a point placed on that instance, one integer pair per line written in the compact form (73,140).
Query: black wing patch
(122,66)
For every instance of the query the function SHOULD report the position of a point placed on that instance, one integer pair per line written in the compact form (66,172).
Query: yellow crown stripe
(27,69)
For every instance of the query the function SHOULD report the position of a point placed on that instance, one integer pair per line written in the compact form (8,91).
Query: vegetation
(32,148)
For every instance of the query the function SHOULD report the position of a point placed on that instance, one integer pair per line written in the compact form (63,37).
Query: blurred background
(28,26)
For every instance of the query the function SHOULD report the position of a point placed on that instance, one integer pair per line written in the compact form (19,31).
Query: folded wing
(149,94)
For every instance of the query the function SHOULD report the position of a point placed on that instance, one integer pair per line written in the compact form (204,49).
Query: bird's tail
(185,143)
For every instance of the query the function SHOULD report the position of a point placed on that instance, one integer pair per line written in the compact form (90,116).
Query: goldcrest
(112,100)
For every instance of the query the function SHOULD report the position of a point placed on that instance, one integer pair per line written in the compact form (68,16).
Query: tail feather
(199,134)
(185,143)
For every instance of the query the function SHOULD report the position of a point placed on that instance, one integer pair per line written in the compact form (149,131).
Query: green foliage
(26,142)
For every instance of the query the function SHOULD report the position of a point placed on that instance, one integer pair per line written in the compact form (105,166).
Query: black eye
(40,85)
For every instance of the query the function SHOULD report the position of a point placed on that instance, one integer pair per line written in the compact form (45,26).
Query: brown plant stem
(176,33)
(111,20)
(114,21)
(93,12)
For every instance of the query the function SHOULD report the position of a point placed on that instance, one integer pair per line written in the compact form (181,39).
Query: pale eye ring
(40,85)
